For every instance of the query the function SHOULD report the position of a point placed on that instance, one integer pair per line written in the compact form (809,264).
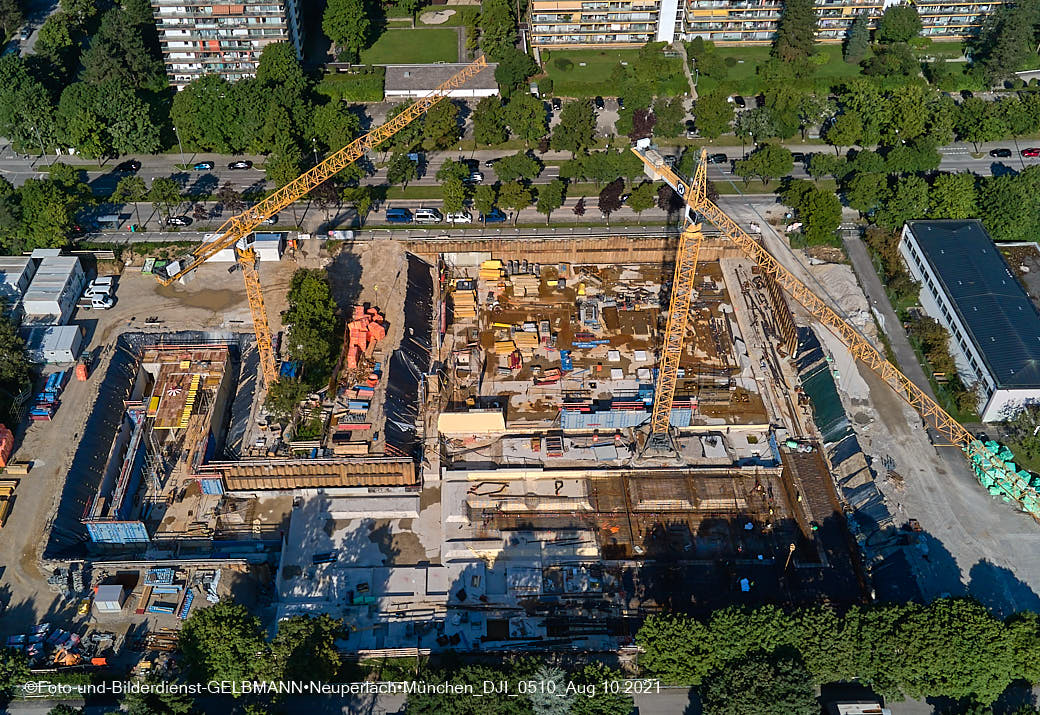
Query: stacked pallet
(491,270)
(525,285)
(526,343)
(465,302)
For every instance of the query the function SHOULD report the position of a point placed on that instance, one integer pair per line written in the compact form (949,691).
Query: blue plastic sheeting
(290,368)
(212,486)
(117,532)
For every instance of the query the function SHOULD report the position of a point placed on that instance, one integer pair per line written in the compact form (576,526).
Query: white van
(428,216)
(101,302)
(102,285)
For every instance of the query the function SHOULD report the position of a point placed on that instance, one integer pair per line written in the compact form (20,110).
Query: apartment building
(200,37)
(611,23)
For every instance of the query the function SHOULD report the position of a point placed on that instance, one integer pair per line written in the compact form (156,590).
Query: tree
(1006,41)
(955,648)
(515,196)
(130,190)
(284,165)
(79,11)
(14,669)
(311,320)
(610,198)
(857,41)
(26,110)
(518,166)
(550,198)
(11,17)
(552,699)
(641,122)
(157,702)
(223,642)
(473,676)
(346,23)
(979,121)
(769,161)
(284,395)
(953,196)
(454,193)
(304,648)
(604,702)
(712,114)
(484,198)
(441,126)
(670,114)
(576,131)
(489,122)
(906,200)
(125,49)
(497,29)
(362,199)
(46,210)
(796,31)
(400,170)
(525,116)
(899,23)
(333,127)
(822,164)
(845,130)
(892,61)
(820,214)
(514,67)
(754,124)
(760,683)
(642,197)
(865,191)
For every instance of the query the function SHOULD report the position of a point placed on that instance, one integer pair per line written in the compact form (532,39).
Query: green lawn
(742,77)
(419,46)
(594,77)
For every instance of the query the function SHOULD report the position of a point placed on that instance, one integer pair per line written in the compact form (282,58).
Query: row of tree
(953,647)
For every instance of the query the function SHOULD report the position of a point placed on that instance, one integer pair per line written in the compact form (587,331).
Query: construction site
(524,444)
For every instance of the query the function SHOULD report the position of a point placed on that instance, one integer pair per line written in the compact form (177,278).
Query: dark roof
(999,317)
(426,78)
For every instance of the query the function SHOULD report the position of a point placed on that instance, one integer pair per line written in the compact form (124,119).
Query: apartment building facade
(200,37)
(619,23)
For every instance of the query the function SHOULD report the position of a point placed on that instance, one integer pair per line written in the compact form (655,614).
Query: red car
(1031,152)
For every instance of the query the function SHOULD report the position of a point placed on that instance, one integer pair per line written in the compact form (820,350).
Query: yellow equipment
(235,230)
(697,201)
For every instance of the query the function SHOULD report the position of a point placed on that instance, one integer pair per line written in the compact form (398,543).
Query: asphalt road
(17,168)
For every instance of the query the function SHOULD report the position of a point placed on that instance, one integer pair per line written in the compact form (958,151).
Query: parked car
(129,166)
(691,129)
(496,216)
(179,221)
(26,33)
(620,102)
(102,302)
(398,215)
(557,105)
(240,165)
(598,103)
(718,159)
(475,177)
(490,163)
(101,286)
(270,220)
(203,166)
(1032,152)
(460,217)
(428,215)
(1002,153)
(798,157)
(738,100)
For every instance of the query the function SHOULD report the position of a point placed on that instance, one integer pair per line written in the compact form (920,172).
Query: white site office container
(15,274)
(109,598)
(53,291)
(53,343)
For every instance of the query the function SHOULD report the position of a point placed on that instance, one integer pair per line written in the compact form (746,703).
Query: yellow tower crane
(236,229)
(697,201)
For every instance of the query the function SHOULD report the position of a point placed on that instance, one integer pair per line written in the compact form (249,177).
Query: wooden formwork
(287,474)
(602,250)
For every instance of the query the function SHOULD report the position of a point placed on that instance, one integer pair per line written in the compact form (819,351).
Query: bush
(730,61)
(563,64)
(363,86)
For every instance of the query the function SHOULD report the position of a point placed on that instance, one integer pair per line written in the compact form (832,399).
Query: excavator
(236,230)
(990,468)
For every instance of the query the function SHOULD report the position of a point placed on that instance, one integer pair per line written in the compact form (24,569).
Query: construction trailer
(53,343)
(54,289)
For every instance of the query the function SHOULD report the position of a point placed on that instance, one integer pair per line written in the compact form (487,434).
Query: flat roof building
(420,80)
(994,327)
(199,37)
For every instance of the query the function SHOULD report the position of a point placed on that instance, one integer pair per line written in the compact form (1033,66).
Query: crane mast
(233,232)
(861,349)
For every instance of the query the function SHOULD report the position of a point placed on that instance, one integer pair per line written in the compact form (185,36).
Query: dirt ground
(213,299)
